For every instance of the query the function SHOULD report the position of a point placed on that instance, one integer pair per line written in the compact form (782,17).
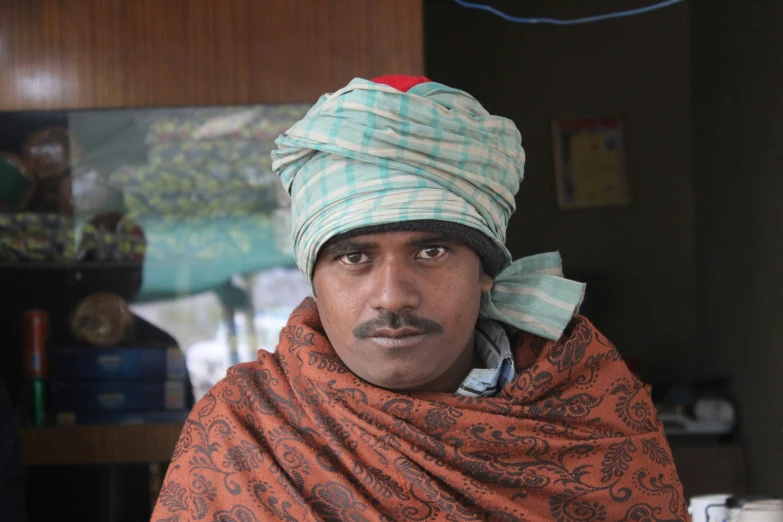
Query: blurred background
(144,241)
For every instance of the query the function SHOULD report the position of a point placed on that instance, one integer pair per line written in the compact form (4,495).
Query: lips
(400,338)
(396,334)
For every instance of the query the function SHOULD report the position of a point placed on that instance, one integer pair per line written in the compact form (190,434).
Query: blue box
(142,363)
(118,396)
(69,418)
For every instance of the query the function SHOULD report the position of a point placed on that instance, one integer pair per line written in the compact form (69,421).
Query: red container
(35,332)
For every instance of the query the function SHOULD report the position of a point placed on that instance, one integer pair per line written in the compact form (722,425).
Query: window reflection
(172,216)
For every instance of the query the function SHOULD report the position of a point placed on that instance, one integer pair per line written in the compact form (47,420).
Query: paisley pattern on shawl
(297,437)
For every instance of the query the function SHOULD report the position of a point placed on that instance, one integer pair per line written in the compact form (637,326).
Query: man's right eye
(356,258)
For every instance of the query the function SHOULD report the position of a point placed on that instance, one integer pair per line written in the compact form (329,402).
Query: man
(12,508)
(430,378)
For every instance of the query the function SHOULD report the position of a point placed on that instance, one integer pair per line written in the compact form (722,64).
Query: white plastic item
(708,508)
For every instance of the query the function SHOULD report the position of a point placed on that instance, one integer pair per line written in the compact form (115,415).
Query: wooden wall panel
(67,54)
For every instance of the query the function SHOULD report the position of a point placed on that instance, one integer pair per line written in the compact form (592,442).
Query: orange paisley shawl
(295,436)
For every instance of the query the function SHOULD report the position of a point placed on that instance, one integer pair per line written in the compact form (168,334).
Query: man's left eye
(431,252)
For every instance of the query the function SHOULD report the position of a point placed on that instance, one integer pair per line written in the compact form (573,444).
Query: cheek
(338,308)
(457,301)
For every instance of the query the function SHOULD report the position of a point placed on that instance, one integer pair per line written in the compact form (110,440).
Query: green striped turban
(370,154)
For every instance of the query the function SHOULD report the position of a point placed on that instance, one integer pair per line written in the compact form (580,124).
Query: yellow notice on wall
(590,163)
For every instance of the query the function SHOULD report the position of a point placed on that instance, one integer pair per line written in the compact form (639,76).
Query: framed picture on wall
(590,163)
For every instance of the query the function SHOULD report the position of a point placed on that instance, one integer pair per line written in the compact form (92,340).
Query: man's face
(400,307)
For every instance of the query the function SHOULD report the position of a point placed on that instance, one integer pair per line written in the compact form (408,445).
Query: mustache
(395,321)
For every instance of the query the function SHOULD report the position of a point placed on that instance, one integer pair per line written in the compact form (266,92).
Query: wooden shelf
(83,445)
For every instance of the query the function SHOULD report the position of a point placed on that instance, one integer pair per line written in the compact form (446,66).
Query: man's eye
(431,252)
(354,259)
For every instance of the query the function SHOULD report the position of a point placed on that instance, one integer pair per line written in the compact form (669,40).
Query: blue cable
(572,21)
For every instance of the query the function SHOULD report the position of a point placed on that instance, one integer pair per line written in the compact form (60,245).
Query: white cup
(708,508)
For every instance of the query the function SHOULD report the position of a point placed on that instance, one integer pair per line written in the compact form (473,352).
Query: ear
(485,282)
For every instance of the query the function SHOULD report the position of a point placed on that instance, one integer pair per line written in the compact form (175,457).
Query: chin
(395,382)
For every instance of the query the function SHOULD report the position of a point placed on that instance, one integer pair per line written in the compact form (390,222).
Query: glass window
(174,213)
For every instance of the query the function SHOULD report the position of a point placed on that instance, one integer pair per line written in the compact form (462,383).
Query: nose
(395,287)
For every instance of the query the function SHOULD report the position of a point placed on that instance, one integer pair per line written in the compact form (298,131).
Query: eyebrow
(348,246)
(434,239)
